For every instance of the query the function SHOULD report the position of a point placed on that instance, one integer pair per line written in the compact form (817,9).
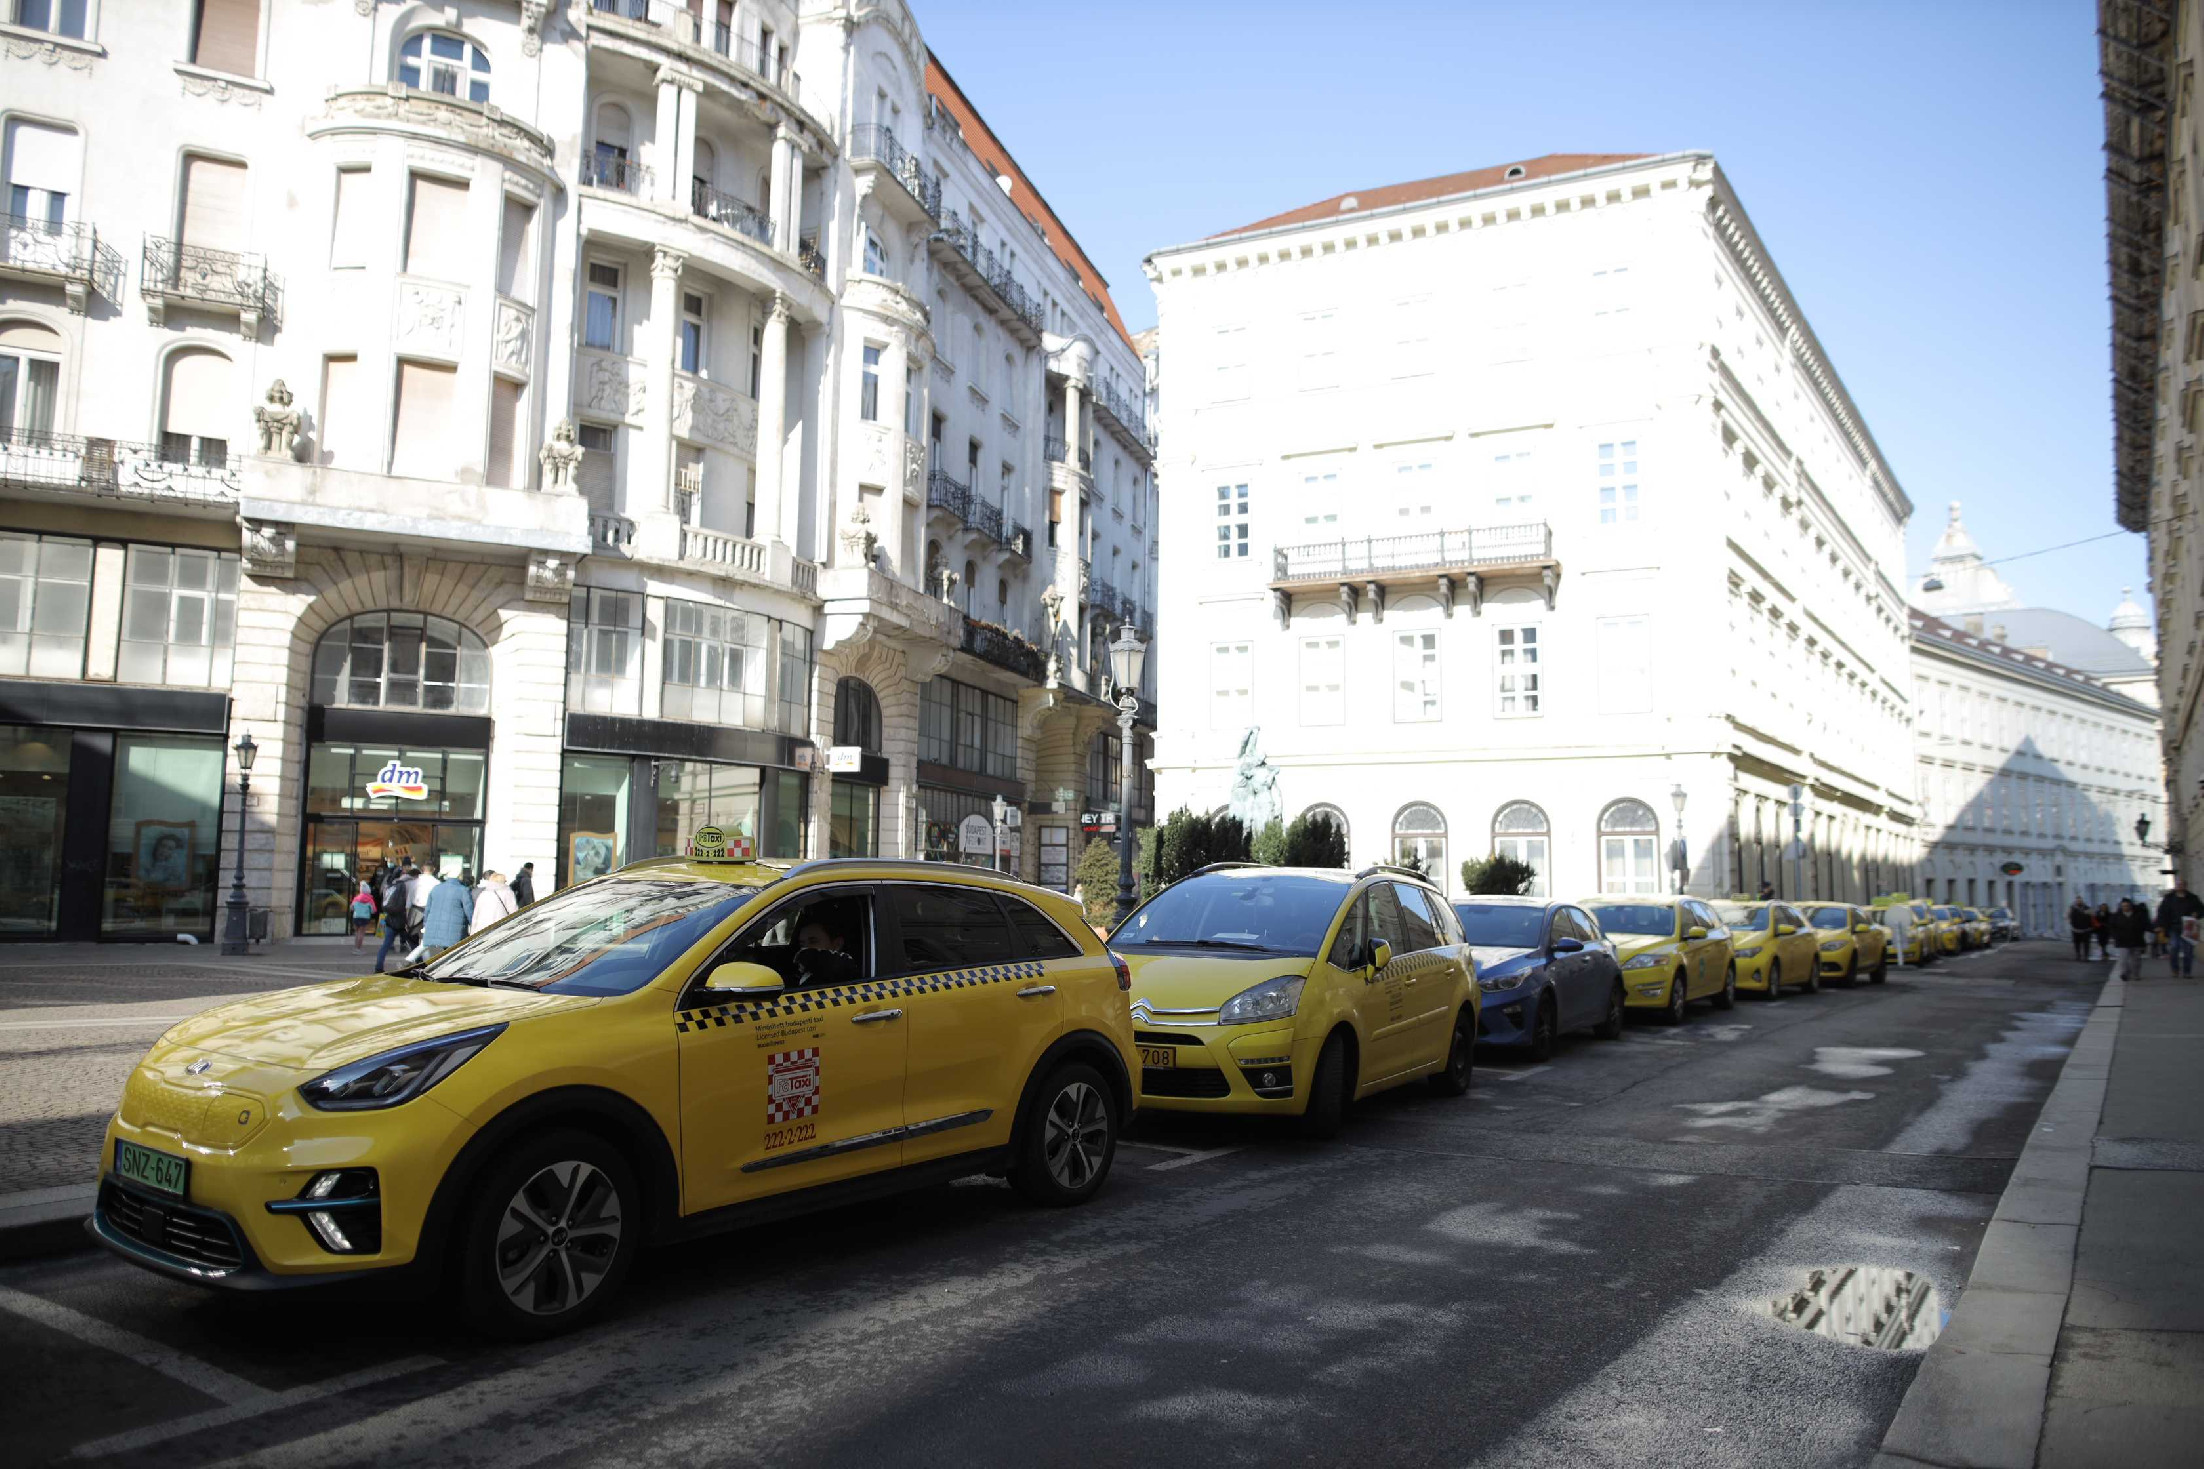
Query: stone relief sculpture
(270,549)
(561,459)
(705,410)
(611,388)
(429,319)
(511,347)
(1255,799)
(858,536)
(278,422)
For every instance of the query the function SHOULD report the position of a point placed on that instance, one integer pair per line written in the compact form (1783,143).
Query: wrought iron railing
(725,209)
(985,518)
(689,28)
(963,239)
(605,171)
(946,493)
(72,251)
(196,273)
(1128,607)
(1102,597)
(1054,449)
(113,467)
(1004,648)
(1130,416)
(1434,551)
(879,144)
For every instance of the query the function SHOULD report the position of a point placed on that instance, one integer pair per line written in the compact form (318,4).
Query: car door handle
(872,1016)
(1035,991)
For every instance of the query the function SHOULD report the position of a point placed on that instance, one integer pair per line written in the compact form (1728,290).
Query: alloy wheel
(560,1234)
(1075,1136)
(1775,980)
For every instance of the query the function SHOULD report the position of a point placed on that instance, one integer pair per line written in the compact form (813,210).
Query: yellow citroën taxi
(1673,951)
(1297,990)
(680,1046)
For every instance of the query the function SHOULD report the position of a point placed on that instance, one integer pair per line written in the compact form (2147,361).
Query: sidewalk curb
(47,1221)
(1978,1400)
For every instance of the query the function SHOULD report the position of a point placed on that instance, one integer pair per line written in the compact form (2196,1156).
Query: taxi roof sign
(710,844)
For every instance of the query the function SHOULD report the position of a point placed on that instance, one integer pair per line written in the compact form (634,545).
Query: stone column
(787,184)
(772,420)
(895,412)
(653,478)
(674,139)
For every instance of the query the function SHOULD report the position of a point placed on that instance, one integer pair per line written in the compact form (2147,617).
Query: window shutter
(343,416)
(435,229)
(43,158)
(422,446)
(349,229)
(229,37)
(515,273)
(198,395)
(213,212)
(505,471)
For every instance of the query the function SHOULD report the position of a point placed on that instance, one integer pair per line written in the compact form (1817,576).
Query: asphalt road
(1571,1266)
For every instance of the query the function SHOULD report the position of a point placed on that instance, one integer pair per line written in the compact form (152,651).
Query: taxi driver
(822,954)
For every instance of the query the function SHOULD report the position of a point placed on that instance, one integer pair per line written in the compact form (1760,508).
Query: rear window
(1637,918)
(1266,913)
(1501,925)
(950,928)
(1043,939)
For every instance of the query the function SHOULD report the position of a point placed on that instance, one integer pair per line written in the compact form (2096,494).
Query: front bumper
(1835,965)
(1508,1015)
(1752,974)
(1260,1068)
(1647,989)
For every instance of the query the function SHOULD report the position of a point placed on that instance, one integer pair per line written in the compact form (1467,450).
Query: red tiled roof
(989,149)
(1439,188)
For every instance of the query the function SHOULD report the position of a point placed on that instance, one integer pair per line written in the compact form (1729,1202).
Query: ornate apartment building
(545,428)
(1520,511)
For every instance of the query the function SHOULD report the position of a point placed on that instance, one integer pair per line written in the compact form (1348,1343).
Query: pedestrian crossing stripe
(811,1002)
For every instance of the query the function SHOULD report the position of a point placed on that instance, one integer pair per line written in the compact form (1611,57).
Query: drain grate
(1865,1306)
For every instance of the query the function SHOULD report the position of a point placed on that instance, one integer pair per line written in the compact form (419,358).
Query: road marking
(1516,1075)
(265,1403)
(193,1373)
(1187,1155)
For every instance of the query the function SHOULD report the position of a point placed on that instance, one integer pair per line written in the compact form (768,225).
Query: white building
(816,335)
(1514,506)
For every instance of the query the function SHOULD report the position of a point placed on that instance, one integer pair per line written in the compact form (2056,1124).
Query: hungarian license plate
(1161,1057)
(162,1171)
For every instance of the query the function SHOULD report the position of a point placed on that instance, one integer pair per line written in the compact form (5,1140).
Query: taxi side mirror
(1381,954)
(1785,930)
(1695,932)
(743,981)
(1864,928)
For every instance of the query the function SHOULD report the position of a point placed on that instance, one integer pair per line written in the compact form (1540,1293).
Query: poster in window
(163,851)
(590,854)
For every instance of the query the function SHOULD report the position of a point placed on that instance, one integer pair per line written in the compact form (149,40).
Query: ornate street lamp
(1128,656)
(1001,806)
(237,911)
(1677,798)
(2142,829)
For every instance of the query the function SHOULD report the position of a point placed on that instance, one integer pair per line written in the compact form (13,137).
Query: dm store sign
(402,781)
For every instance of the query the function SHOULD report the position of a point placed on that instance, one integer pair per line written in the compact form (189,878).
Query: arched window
(1629,843)
(856,715)
(197,408)
(30,382)
(1419,841)
(607,166)
(1519,830)
(402,660)
(437,61)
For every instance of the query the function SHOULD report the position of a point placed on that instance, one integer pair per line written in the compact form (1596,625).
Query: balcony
(603,171)
(110,468)
(172,273)
(1102,597)
(679,24)
(808,255)
(728,212)
(957,247)
(986,519)
(945,493)
(1005,649)
(1440,558)
(725,552)
(876,149)
(1020,541)
(68,255)
(1118,411)
(611,535)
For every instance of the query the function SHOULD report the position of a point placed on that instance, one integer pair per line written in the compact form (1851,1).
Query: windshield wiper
(1212,944)
(421,971)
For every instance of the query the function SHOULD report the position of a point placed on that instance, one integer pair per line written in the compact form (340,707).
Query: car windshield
(1829,917)
(2001,912)
(1657,918)
(1946,913)
(1743,915)
(1263,912)
(1501,925)
(609,937)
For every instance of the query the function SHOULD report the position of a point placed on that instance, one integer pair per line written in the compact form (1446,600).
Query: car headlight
(1273,999)
(1493,983)
(1751,953)
(395,1076)
(1645,961)
(1832,946)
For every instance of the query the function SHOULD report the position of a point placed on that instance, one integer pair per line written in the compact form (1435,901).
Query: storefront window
(367,805)
(692,793)
(179,618)
(853,825)
(34,797)
(593,816)
(715,665)
(604,652)
(164,837)
(785,836)
(402,660)
(45,601)
(941,814)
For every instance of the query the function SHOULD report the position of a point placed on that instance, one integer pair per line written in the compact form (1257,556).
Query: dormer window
(435,61)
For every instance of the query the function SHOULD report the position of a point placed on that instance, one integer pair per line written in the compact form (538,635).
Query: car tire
(1326,1111)
(1679,1000)
(1727,998)
(549,1233)
(1813,978)
(1610,1029)
(1452,1079)
(1852,970)
(1067,1138)
(1880,972)
(1774,991)
(1541,1047)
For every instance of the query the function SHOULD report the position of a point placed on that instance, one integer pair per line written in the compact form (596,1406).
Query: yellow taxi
(1673,951)
(1773,947)
(1950,929)
(1912,927)
(1974,926)
(1849,943)
(1296,991)
(681,1046)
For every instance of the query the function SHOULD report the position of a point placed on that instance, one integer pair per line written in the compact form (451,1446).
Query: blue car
(1545,968)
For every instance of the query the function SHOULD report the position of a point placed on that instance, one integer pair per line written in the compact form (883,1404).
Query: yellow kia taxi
(1673,951)
(1297,990)
(1849,943)
(1773,946)
(681,1046)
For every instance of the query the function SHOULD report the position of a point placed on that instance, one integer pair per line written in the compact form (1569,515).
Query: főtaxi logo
(402,781)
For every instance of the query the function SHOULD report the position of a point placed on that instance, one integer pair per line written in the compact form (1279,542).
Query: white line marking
(1516,1075)
(1189,1158)
(191,1372)
(267,1402)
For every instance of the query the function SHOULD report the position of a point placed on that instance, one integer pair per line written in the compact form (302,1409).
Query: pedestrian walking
(2178,911)
(1767,891)
(363,916)
(2101,925)
(444,918)
(2130,932)
(524,884)
(493,900)
(2083,925)
(396,932)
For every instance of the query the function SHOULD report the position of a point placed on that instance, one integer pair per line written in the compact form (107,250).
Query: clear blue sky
(1927,175)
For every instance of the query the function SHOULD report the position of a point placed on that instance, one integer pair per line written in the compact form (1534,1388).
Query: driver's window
(811,941)
(1354,935)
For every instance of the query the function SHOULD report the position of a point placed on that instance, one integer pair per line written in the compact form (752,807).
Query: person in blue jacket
(450,909)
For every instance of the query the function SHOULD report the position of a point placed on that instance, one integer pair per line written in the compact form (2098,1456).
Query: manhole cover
(1865,1306)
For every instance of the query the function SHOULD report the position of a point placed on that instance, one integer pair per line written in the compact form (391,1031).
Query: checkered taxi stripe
(806,1002)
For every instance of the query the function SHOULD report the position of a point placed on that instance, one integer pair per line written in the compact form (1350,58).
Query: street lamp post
(1678,797)
(1000,806)
(1798,843)
(1128,655)
(236,912)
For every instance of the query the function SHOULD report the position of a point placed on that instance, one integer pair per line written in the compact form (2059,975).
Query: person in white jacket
(493,899)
